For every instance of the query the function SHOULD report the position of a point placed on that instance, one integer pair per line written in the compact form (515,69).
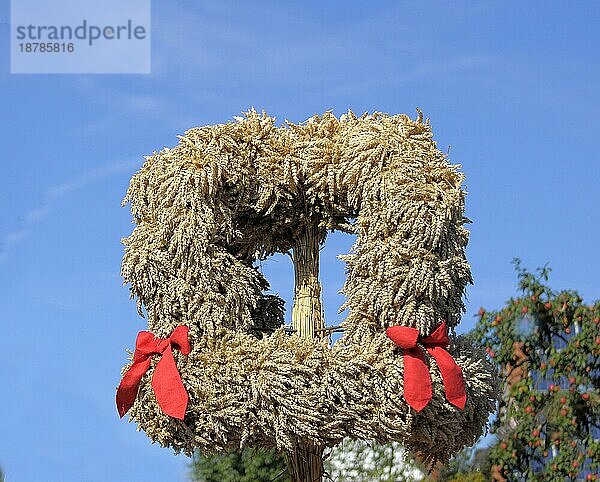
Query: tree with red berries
(547,346)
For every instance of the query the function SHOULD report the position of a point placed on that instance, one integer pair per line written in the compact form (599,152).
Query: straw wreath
(231,194)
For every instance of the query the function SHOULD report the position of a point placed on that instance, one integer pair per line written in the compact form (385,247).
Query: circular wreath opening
(230,194)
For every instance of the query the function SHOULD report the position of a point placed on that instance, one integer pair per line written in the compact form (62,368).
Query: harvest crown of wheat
(218,369)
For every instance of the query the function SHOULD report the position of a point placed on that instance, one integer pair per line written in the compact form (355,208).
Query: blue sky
(512,87)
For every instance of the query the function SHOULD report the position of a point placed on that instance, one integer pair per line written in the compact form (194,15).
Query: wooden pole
(305,462)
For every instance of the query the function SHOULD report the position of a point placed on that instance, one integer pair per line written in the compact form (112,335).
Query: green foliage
(248,465)
(472,464)
(351,461)
(360,461)
(547,345)
(469,477)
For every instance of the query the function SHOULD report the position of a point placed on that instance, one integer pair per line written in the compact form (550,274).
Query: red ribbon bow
(166,381)
(417,380)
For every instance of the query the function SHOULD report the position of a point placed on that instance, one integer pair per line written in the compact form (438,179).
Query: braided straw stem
(305,461)
(307,312)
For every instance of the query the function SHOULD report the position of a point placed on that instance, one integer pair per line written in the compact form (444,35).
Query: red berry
(548,306)
(535,433)
(575,464)
(491,354)
(524,310)
(572,380)
(563,400)
(597,320)
(551,387)
(504,445)
(563,412)
(534,298)
(528,409)
(481,312)
(567,330)
(585,396)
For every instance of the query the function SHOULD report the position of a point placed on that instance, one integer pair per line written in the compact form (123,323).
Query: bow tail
(417,381)
(454,383)
(129,385)
(168,387)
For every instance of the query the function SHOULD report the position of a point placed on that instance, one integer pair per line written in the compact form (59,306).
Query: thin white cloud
(210,58)
(31,218)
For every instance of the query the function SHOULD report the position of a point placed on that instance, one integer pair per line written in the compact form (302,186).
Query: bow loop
(145,345)
(417,379)
(439,337)
(403,336)
(179,339)
(166,381)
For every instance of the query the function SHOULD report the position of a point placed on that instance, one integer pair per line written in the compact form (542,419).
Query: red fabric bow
(417,380)
(166,381)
